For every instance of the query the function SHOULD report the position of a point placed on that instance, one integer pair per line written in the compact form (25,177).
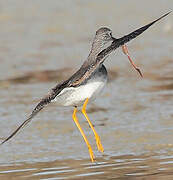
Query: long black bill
(123,40)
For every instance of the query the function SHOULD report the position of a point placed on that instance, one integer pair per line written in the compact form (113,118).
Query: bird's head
(102,39)
(104,35)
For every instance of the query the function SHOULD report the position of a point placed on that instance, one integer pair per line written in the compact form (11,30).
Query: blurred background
(43,43)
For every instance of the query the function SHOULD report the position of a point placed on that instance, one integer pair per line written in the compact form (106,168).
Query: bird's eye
(109,34)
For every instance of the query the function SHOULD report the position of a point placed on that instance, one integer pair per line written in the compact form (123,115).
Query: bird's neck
(96,48)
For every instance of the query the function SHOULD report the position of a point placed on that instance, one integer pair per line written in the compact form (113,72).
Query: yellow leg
(83,135)
(98,142)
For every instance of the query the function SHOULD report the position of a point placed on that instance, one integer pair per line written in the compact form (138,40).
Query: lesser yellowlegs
(88,81)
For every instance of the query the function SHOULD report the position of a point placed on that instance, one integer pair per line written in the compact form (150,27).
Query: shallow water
(118,167)
(46,43)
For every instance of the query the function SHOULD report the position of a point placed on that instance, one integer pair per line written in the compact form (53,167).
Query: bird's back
(89,88)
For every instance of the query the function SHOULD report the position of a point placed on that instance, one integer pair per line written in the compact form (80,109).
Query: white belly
(75,96)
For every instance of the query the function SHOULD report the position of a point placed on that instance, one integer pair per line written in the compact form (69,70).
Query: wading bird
(88,81)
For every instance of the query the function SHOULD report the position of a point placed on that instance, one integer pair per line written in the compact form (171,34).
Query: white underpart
(75,96)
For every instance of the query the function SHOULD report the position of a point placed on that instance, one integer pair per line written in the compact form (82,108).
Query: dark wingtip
(2,139)
(136,33)
(123,40)
(164,15)
(168,13)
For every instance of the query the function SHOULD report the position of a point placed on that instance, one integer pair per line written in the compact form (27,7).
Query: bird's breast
(75,96)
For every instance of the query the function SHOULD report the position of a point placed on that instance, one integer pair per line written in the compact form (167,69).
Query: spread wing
(46,100)
(72,81)
(38,108)
(123,40)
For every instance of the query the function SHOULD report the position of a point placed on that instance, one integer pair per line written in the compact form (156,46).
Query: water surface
(44,43)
